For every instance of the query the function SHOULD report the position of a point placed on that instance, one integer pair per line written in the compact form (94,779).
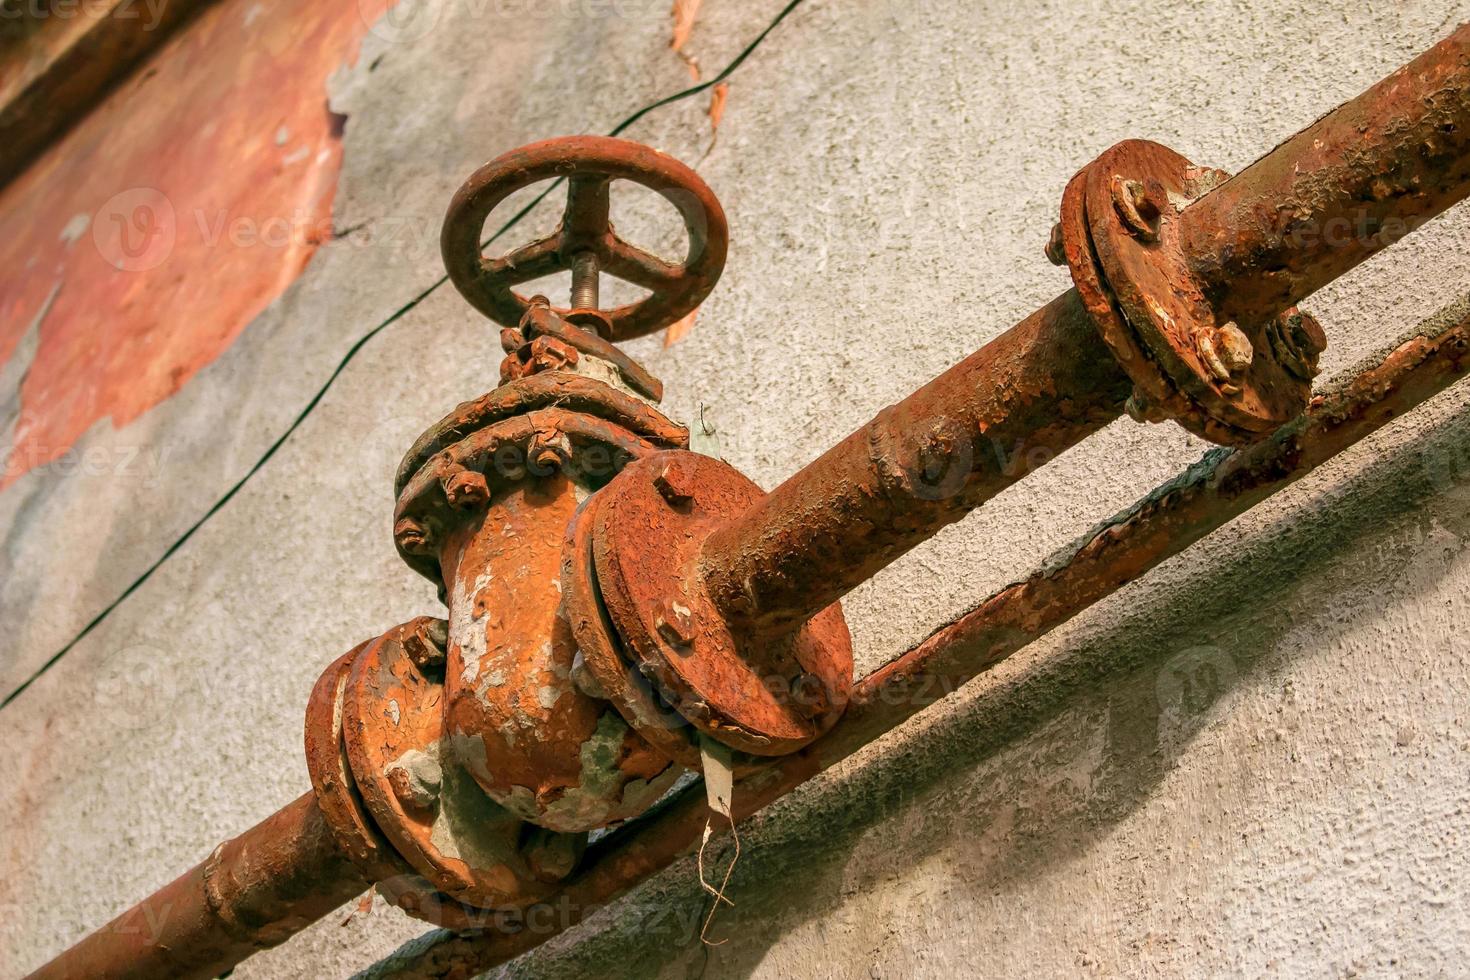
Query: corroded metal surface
(527,446)
(765,696)
(605,669)
(517,721)
(590,164)
(572,392)
(332,780)
(686,572)
(437,819)
(253,892)
(1120,235)
(1157,528)
(485,499)
(1011,407)
(1354,182)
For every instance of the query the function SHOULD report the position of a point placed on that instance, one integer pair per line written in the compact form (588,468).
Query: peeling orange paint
(717,98)
(684,12)
(679,329)
(172,215)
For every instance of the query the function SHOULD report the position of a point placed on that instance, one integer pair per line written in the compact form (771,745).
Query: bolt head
(411,537)
(674,483)
(511,340)
(412,793)
(425,643)
(675,623)
(467,489)
(808,696)
(550,856)
(1055,249)
(1296,339)
(551,354)
(1234,348)
(1137,205)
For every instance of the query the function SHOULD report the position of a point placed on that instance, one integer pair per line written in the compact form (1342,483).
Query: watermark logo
(1447,463)
(1188,684)
(403,22)
(134,687)
(136,229)
(150,12)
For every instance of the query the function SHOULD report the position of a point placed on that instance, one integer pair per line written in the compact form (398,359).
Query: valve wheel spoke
(532,261)
(584,221)
(632,264)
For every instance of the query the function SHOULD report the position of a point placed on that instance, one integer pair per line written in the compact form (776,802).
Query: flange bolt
(467,489)
(1138,208)
(1225,350)
(411,537)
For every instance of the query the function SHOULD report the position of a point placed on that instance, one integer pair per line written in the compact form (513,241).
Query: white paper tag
(704,438)
(719,776)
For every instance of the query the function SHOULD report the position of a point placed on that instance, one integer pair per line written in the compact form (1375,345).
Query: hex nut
(1055,249)
(425,643)
(466,490)
(1136,206)
(411,537)
(674,623)
(1234,348)
(672,484)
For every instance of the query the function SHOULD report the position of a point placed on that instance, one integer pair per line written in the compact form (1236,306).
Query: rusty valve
(585,243)
(616,603)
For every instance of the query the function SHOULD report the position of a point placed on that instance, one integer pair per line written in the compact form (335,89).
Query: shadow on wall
(996,784)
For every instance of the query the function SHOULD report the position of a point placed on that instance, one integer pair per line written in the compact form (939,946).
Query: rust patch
(170,221)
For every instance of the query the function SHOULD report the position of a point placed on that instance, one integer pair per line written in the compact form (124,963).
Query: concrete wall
(1254,760)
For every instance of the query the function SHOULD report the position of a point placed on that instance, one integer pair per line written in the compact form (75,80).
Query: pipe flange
(1232,383)
(461,478)
(602,670)
(762,695)
(432,812)
(561,389)
(331,776)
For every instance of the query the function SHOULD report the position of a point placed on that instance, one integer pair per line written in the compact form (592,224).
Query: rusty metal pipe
(252,893)
(1014,405)
(1158,527)
(1389,160)
(1354,182)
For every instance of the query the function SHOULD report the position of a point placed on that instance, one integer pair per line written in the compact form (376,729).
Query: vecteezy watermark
(134,687)
(1187,685)
(675,923)
(1446,463)
(150,12)
(139,229)
(402,22)
(125,462)
(407,21)
(136,229)
(1364,228)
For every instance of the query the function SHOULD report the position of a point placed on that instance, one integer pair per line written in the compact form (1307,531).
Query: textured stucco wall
(1256,759)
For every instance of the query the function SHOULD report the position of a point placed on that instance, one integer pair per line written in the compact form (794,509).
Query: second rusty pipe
(1384,162)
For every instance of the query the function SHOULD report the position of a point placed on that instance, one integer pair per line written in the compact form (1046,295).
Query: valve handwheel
(586,243)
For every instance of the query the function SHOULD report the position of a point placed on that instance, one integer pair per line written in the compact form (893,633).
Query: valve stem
(584,281)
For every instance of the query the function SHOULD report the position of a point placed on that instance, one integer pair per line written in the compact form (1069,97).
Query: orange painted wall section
(148,237)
